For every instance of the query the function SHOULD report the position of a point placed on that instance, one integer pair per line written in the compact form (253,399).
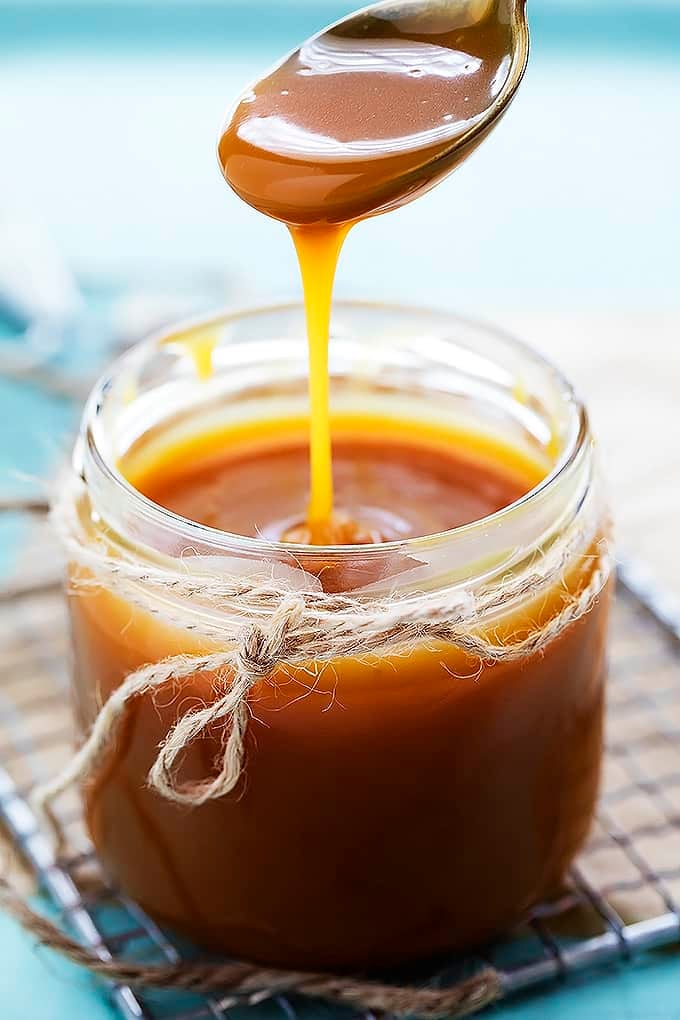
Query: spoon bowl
(375,109)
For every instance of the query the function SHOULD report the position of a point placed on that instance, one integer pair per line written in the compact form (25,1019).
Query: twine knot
(260,649)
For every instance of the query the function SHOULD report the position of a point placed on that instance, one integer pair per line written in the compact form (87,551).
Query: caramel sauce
(392,807)
(373,111)
(363,117)
(397,479)
(200,345)
(402,479)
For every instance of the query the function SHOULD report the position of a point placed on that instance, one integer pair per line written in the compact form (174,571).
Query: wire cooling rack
(622,897)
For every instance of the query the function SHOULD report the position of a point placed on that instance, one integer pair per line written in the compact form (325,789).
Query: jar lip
(232,542)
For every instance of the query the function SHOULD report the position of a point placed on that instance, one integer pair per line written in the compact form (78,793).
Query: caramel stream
(318,249)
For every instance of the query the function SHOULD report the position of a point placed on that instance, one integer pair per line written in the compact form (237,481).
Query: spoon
(376,109)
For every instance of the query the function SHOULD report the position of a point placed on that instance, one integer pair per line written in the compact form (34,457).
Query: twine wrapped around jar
(266,624)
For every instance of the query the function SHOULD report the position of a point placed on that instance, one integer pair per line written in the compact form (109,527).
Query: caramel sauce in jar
(391,806)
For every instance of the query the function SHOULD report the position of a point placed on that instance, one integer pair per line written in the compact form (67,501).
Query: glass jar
(391,806)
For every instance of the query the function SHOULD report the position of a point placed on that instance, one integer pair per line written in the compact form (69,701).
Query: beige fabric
(627,369)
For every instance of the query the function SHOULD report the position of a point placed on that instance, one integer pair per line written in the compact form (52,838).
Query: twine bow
(295,628)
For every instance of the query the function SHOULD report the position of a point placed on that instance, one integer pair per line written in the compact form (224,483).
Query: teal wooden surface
(36,985)
(127,98)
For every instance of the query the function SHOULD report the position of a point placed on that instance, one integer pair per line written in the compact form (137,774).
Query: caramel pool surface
(403,481)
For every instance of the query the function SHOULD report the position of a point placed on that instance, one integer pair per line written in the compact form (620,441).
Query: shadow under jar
(391,807)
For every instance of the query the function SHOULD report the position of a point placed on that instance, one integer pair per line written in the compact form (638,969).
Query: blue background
(109,113)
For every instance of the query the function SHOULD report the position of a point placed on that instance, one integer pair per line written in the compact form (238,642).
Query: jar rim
(232,542)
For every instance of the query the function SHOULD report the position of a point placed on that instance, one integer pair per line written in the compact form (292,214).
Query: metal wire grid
(623,896)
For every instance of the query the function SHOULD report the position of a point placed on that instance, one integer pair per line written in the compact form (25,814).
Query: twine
(250,985)
(297,627)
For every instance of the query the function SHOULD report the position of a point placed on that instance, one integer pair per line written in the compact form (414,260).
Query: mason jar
(393,803)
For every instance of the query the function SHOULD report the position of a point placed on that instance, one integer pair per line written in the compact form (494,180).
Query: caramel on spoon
(376,109)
